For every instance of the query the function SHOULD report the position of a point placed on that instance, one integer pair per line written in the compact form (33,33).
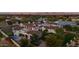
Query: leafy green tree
(24,43)
(59,31)
(44,33)
(35,40)
(2,18)
(68,27)
(75,29)
(69,19)
(50,18)
(52,40)
(68,37)
(33,18)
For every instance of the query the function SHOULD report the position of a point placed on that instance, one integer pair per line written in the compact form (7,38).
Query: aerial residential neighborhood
(39,31)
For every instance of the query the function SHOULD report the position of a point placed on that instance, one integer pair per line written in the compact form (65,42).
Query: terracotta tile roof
(7,42)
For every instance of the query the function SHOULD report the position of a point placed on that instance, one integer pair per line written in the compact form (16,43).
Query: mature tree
(33,18)
(75,29)
(52,40)
(68,37)
(44,33)
(59,31)
(2,18)
(24,42)
(68,27)
(35,40)
(51,18)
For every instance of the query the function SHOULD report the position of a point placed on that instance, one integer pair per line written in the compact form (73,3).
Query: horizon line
(39,13)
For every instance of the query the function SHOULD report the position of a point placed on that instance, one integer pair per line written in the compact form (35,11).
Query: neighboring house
(21,29)
(18,18)
(6,42)
(63,23)
(51,31)
(24,29)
